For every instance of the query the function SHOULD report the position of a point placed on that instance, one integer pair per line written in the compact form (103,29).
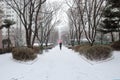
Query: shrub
(36,49)
(23,53)
(116,45)
(6,50)
(69,47)
(97,52)
(1,51)
(83,49)
(76,48)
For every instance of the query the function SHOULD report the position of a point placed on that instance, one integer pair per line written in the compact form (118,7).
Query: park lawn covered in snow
(59,64)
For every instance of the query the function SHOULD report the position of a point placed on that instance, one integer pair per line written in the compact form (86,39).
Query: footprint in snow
(17,78)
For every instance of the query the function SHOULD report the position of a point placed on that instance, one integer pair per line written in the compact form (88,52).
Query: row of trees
(47,23)
(87,17)
(36,19)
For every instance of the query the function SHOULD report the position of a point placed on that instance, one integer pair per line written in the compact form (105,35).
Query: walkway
(58,64)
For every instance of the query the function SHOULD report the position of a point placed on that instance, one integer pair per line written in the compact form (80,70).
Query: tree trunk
(112,37)
(28,39)
(119,36)
(46,43)
(102,38)
(34,36)
(8,37)
(92,43)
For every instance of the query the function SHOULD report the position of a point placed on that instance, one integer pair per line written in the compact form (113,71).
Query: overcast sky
(62,12)
(61,15)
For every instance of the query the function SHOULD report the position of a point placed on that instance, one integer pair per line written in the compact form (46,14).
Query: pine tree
(111,18)
(7,24)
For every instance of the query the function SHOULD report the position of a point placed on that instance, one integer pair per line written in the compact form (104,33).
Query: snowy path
(58,64)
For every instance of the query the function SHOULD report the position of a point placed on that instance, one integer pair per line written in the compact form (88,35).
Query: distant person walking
(60,43)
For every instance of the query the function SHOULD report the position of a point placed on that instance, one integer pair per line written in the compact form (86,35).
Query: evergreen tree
(7,24)
(111,18)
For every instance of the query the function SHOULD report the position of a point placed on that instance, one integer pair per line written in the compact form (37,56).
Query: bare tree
(28,12)
(54,36)
(71,25)
(90,13)
(48,22)
(76,29)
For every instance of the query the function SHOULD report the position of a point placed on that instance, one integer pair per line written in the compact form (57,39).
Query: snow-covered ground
(59,64)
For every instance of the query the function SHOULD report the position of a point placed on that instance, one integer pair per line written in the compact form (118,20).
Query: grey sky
(61,15)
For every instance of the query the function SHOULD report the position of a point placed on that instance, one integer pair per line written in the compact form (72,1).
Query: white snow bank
(59,64)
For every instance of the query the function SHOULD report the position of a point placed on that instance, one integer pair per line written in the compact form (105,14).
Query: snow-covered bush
(23,53)
(116,45)
(97,52)
(76,48)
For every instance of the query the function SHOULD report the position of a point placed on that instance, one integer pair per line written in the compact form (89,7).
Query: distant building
(10,14)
